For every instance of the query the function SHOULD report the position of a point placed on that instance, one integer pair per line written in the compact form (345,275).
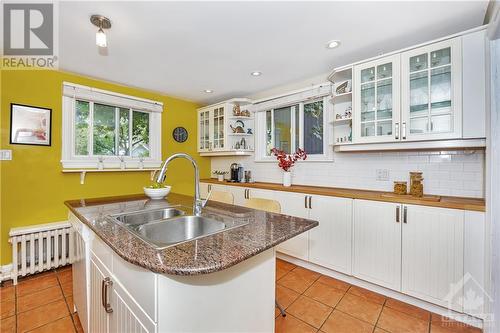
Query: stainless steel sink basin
(177,230)
(138,218)
(166,227)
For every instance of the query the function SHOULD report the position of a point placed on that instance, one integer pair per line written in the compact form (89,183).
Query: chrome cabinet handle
(404,130)
(104,293)
(310,199)
(397,213)
(396,131)
(405,214)
(305,201)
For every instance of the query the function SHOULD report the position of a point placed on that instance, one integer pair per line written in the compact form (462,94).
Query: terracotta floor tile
(285,264)
(324,293)
(399,322)
(379,330)
(42,315)
(280,272)
(65,276)
(7,283)
(296,282)
(340,322)
(276,312)
(8,325)
(71,304)
(36,276)
(78,325)
(7,308)
(36,299)
(67,289)
(285,296)
(306,273)
(7,293)
(36,284)
(61,325)
(442,324)
(408,309)
(64,268)
(360,308)
(367,294)
(310,311)
(290,324)
(334,282)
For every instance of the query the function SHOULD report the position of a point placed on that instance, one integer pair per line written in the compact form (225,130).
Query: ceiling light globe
(332,44)
(100,38)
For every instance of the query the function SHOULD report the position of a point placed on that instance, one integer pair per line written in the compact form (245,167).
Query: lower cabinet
(111,307)
(432,255)
(377,243)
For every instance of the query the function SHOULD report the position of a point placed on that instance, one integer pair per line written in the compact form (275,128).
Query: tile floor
(39,303)
(313,303)
(318,303)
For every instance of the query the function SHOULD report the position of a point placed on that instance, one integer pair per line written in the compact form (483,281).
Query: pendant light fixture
(102,23)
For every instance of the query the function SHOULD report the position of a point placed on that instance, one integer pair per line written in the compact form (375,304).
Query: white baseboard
(5,272)
(461,317)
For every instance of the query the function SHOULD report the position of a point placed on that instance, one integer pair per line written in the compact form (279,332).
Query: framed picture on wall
(30,125)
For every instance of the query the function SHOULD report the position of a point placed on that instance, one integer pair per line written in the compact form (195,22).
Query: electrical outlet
(383,174)
(6,155)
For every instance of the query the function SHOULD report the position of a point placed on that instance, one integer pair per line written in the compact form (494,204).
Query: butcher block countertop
(475,204)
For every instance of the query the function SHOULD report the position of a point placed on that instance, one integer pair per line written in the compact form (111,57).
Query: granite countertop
(475,204)
(205,255)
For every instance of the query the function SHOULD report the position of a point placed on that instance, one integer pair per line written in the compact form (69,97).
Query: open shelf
(239,118)
(342,121)
(83,172)
(239,134)
(343,95)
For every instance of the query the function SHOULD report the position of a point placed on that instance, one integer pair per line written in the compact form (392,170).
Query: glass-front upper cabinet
(431,92)
(218,128)
(376,107)
(212,128)
(203,130)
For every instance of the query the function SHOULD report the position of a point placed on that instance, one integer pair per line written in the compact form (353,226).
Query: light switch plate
(383,174)
(5,155)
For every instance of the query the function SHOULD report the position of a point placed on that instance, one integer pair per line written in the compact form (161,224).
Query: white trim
(462,317)
(38,227)
(78,91)
(413,145)
(6,272)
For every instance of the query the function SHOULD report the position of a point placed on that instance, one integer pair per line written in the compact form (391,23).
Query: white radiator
(40,247)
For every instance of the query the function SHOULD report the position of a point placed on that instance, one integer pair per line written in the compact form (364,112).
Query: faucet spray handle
(204,202)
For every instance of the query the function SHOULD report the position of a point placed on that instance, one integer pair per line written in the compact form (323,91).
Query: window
(107,127)
(296,126)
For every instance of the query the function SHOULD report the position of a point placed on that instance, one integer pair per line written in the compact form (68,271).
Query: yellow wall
(33,188)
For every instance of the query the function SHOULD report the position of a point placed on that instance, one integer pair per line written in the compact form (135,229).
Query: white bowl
(157,193)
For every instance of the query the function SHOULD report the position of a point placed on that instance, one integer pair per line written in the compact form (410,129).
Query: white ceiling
(182,48)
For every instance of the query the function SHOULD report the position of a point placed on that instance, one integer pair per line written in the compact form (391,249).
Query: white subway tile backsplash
(458,173)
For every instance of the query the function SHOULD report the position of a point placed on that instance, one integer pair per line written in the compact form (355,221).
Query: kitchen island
(223,282)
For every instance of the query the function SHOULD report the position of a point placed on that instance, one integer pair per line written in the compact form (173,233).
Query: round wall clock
(180,134)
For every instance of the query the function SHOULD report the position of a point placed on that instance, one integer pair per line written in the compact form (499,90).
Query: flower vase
(287,178)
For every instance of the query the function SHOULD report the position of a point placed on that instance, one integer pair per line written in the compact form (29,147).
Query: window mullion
(91,129)
(130,132)
(301,126)
(117,131)
(273,144)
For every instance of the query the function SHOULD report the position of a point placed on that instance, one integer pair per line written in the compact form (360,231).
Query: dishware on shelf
(239,127)
(157,193)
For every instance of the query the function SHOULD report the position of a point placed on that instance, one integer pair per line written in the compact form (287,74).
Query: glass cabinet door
(430,108)
(218,129)
(375,116)
(204,128)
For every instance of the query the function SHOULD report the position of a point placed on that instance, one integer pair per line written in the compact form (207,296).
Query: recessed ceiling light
(208,91)
(256,73)
(333,44)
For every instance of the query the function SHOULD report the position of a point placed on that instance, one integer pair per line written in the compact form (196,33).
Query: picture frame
(30,125)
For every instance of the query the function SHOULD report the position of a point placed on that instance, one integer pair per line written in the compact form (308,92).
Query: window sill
(93,164)
(83,172)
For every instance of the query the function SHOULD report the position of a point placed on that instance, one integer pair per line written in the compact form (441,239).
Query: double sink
(162,228)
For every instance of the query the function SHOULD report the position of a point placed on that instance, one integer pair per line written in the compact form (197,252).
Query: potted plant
(286,162)
(220,175)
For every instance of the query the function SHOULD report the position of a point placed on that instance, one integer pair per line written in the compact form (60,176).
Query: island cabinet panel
(330,243)
(98,318)
(432,257)
(294,204)
(377,243)
(239,194)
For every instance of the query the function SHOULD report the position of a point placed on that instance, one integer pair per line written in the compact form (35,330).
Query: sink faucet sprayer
(198,202)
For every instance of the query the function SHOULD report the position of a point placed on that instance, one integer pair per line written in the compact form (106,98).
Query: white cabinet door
(377,113)
(126,315)
(432,257)
(264,194)
(377,243)
(330,242)
(204,140)
(98,318)
(294,204)
(431,95)
(204,190)
(239,194)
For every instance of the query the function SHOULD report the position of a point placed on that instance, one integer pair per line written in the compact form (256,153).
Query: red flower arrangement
(286,161)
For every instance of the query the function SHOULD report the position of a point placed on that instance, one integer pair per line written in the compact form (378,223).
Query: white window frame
(260,135)
(72,93)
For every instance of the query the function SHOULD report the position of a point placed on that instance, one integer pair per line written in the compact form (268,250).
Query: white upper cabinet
(226,128)
(432,92)
(376,107)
